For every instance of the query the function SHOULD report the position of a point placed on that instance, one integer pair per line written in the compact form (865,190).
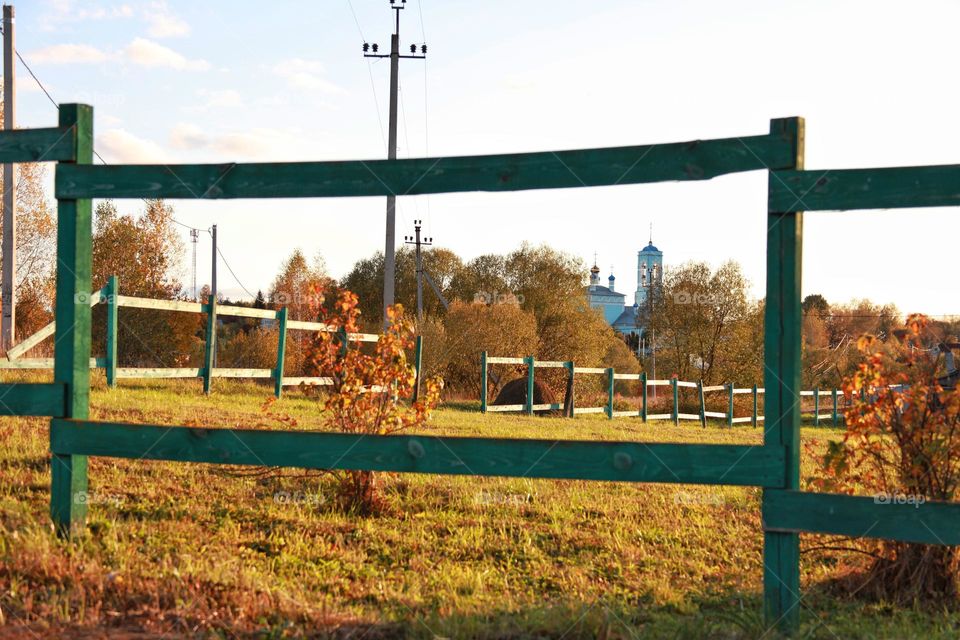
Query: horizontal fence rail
(114,301)
(852,189)
(38,145)
(694,160)
(906,518)
(33,399)
(741,465)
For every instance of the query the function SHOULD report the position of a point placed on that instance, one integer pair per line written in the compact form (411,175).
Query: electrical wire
(426,119)
(230,269)
(57,107)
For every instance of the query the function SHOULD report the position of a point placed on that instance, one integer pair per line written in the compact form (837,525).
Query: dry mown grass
(202,550)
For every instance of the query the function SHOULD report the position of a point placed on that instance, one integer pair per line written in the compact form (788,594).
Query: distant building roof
(627,318)
(604,291)
(650,248)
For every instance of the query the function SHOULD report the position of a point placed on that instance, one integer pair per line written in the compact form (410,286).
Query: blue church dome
(649,248)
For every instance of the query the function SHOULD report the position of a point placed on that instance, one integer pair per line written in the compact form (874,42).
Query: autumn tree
(144,252)
(36,240)
(365,279)
(471,328)
(295,286)
(901,441)
(697,314)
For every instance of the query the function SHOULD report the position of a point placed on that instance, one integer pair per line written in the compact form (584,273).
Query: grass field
(228,552)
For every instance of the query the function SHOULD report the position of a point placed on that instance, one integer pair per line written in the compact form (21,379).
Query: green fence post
(571,390)
(528,408)
(417,362)
(703,405)
(782,363)
(643,407)
(611,376)
(816,406)
(211,346)
(281,351)
(834,394)
(113,290)
(676,402)
(730,406)
(483,382)
(71,363)
(755,405)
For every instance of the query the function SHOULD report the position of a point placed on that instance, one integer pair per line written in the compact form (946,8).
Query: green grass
(207,550)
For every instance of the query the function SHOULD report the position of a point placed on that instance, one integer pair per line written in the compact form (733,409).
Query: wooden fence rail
(773,466)
(113,300)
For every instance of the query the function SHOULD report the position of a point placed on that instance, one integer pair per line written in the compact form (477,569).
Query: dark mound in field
(515,392)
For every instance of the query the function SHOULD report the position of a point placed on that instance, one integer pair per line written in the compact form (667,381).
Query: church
(622,317)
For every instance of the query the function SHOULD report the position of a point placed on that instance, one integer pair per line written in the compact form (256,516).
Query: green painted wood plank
(887,517)
(113,290)
(33,399)
(571,459)
(72,315)
(483,381)
(37,145)
(782,321)
(849,189)
(210,346)
(694,160)
(281,352)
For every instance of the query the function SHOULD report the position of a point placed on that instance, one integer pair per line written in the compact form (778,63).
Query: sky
(184,82)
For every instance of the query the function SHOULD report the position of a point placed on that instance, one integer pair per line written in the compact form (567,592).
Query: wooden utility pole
(419,242)
(389,256)
(9,246)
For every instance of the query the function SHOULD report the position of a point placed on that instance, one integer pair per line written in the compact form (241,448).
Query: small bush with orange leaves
(371,385)
(902,440)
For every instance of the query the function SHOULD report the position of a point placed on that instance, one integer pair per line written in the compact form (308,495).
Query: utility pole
(9,244)
(194,236)
(389,257)
(425,242)
(213,286)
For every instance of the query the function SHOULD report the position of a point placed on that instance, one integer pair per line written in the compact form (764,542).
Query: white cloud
(140,51)
(219,98)
(121,146)
(66,12)
(151,54)
(163,23)
(68,54)
(305,74)
(259,143)
(188,137)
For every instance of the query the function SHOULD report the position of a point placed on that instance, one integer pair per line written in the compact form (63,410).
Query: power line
(426,121)
(57,107)
(230,269)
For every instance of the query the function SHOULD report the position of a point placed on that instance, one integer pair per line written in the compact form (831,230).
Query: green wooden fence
(773,466)
(729,389)
(111,297)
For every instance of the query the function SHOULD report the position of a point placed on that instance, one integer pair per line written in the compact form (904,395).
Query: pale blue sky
(220,81)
